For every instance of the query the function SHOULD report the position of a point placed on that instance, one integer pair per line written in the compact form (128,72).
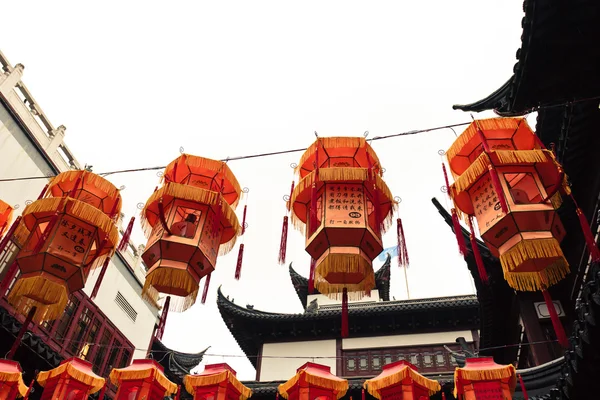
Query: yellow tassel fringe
(479,167)
(496,374)
(556,200)
(94,381)
(4,207)
(21,234)
(118,375)
(89,178)
(191,382)
(336,143)
(374,385)
(54,297)
(340,386)
(175,278)
(356,291)
(15,377)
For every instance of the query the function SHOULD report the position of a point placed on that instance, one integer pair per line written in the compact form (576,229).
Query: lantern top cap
(394,373)
(216,368)
(147,362)
(321,367)
(215,374)
(12,372)
(77,369)
(318,375)
(7,365)
(143,369)
(398,363)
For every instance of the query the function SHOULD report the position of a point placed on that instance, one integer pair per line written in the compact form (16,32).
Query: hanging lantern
(346,207)
(401,381)
(313,381)
(190,220)
(73,379)
(143,379)
(11,380)
(71,232)
(482,378)
(5,217)
(216,382)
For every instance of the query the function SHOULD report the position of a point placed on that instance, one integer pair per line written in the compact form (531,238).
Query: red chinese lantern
(189,221)
(71,232)
(313,381)
(482,378)
(73,379)
(401,381)
(11,380)
(216,382)
(5,217)
(511,184)
(346,206)
(143,379)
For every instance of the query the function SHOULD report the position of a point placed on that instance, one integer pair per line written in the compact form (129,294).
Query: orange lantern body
(11,380)
(482,378)
(518,172)
(189,222)
(341,187)
(401,381)
(5,217)
(314,381)
(143,379)
(73,379)
(67,237)
(216,382)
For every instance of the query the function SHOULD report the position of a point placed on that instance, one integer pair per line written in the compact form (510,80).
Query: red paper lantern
(73,379)
(5,217)
(401,381)
(11,380)
(143,379)
(216,382)
(482,378)
(313,381)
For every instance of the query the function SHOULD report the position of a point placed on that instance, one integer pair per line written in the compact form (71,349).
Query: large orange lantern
(313,381)
(346,206)
(73,379)
(143,379)
(71,231)
(401,381)
(5,217)
(216,382)
(482,378)
(11,380)
(189,221)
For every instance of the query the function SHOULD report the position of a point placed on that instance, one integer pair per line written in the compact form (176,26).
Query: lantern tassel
(205,291)
(311,276)
(446,181)
(127,234)
(100,278)
(163,318)
(76,186)
(362,396)
(587,233)
(498,188)
(101,395)
(460,239)
(178,392)
(8,278)
(345,330)
(11,353)
(313,195)
(9,233)
(523,390)
(478,260)
(558,328)
(443,396)
(401,247)
(238,267)
(283,242)
(31,387)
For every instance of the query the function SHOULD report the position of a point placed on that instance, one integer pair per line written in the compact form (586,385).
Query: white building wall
(416,339)
(273,368)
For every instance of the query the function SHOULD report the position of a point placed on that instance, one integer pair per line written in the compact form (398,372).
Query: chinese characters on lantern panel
(486,204)
(72,240)
(345,205)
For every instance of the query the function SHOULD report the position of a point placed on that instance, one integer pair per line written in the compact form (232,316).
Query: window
(126,306)
(112,358)
(102,350)
(80,330)
(65,321)
(92,333)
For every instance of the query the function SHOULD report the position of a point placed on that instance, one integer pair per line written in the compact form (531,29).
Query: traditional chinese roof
(251,328)
(382,282)
(176,364)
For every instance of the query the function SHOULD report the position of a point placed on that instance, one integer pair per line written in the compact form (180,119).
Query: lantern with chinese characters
(189,221)
(346,206)
(5,217)
(71,231)
(73,379)
(313,381)
(11,380)
(400,380)
(216,382)
(143,379)
(482,378)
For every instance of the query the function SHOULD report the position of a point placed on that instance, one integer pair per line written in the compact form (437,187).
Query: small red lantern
(314,381)
(143,379)
(73,379)
(401,381)
(482,378)
(11,380)
(216,382)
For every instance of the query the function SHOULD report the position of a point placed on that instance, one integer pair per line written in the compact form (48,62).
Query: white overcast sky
(133,81)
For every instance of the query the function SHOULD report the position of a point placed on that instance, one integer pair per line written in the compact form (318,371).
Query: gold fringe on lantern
(117,375)
(93,380)
(340,386)
(218,167)
(15,377)
(496,374)
(48,296)
(534,249)
(337,143)
(374,385)
(476,170)
(88,178)
(178,279)
(193,381)
(348,263)
(556,200)
(21,234)
(520,156)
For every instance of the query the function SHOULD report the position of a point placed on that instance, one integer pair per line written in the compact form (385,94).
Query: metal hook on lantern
(140,206)
(160,174)
(441,152)
(28,202)
(293,165)
(16,206)
(316,134)
(181,150)
(366,134)
(444,189)
(122,188)
(398,199)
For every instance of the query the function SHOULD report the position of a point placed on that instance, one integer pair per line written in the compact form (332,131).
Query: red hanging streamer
(313,221)
(371,176)
(238,266)
(163,319)
(277,395)
(401,247)
(219,211)
(484,142)
(76,187)
(283,242)
(556,324)
(244,220)
(311,276)
(9,233)
(205,291)
(523,390)
(362,396)
(101,395)
(100,278)
(446,181)
(178,392)
(127,234)
(498,188)
(460,239)
(443,396)
(587,233)
(8,278)
(41,196)
(31,387)
(345,329)
(478,260)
